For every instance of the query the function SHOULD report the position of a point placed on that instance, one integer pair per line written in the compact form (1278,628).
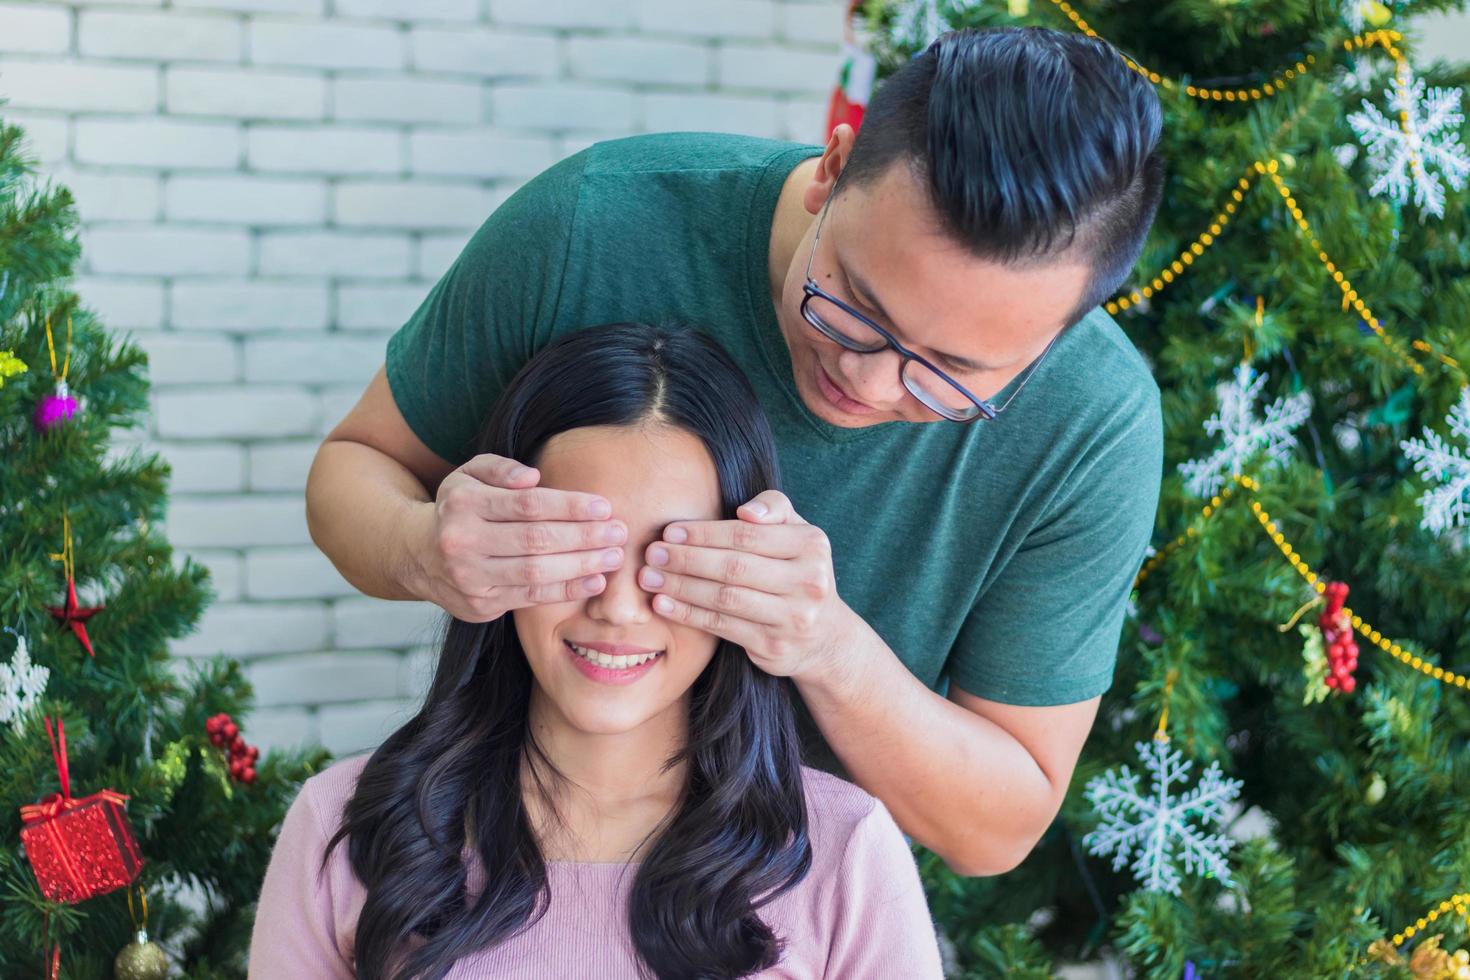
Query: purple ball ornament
(55,408)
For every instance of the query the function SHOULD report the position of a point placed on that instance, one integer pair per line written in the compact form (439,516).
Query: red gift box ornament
(78,847)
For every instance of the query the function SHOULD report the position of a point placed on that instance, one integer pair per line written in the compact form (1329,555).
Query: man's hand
(764,581)
(493,541)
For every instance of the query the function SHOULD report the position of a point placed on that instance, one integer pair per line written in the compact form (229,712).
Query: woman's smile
(605,669)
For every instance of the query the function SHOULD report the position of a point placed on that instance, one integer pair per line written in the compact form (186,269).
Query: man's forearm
(363,509)
(954,781)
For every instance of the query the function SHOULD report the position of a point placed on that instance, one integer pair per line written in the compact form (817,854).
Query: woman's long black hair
(739,836)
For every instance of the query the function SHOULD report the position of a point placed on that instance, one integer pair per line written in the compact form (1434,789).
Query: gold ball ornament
(141,960)
(1376,790)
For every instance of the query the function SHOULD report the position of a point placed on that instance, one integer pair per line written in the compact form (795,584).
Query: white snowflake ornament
(1446,505)
(1404,154)
(21,683)
(1243,434)
(1156,829)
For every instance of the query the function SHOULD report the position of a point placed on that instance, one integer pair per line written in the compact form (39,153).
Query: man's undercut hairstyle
(1032,142)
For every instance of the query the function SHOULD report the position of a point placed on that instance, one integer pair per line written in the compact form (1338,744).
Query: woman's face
(652,476)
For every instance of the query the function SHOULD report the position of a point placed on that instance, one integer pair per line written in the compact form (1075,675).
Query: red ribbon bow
(53,803)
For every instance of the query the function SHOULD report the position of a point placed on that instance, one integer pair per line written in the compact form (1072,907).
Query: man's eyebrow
(871,300)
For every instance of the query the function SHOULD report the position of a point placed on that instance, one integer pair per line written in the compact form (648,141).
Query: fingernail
(592,583)
(613,558)
(758,509)
(658,556)
(677,535)
(663,604)
(614,534)
(601,509)
(652,579)
(519,472)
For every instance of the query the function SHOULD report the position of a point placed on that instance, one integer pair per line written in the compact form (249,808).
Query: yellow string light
(1363,627)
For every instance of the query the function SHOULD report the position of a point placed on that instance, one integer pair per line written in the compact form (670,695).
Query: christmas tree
(131,802)
(1274,784)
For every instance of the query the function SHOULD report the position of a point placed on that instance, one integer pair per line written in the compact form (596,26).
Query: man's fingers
(771,540)
(773,575)
(510,539)
(771,507)
(534,570)
(537,504)
(498,471)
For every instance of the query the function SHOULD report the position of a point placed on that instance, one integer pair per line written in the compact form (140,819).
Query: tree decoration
(72,615)
(1426,135)
(141,959)
(10,366)
(59,406)
(1156,829)
(1447,505)
(21,683)
(1244,435)
(241,754)
(78,847)
(1337,635)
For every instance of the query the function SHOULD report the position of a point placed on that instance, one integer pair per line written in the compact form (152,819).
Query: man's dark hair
(1031,142)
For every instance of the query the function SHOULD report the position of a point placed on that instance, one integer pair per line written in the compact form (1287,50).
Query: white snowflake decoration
(1243,433)
(1448,504)
(21,683)
(1406,155)
(1157,828)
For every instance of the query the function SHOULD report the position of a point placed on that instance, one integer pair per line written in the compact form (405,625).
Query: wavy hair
(738,838)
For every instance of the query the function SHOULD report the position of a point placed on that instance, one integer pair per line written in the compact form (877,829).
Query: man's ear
(829,167)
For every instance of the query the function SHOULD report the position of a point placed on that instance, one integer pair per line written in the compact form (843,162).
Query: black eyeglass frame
(983,408)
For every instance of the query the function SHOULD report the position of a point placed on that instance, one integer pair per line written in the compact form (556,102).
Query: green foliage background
(1335,872)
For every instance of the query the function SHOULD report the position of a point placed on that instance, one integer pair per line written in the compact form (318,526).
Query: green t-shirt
(995,555)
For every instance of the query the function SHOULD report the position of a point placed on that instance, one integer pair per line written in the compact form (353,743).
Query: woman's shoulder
(329,790)
(843,815)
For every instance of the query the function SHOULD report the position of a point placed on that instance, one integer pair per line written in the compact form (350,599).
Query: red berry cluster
(1337,634)
(226,734)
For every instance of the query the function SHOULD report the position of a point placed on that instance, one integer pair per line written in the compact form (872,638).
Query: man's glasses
(939,392)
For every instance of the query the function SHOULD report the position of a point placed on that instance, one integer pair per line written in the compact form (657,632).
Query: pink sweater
(859,914)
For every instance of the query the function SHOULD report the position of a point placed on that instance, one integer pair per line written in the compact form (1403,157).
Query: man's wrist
(409,547)
(835,673)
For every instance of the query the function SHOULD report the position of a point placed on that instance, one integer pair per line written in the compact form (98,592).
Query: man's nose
(874,378)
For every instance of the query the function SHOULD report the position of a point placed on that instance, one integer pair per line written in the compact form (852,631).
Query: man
(945,577)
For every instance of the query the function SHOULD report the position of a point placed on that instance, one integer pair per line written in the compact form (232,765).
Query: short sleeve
(1046,630)
(881,927)
(294,935)
(448,363)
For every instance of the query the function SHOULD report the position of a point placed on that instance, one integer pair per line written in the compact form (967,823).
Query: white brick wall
(269,187)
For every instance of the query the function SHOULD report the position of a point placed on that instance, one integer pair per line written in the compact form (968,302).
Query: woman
(591,790)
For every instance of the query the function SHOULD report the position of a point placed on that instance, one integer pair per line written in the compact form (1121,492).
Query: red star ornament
(75,616)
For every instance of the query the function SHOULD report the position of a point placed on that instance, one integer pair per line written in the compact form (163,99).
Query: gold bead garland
(1386,38)
(1312,579)
(1271,170)
(1459,903)
(1186,258)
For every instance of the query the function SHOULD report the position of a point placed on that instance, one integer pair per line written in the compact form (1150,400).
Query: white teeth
(614,663)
